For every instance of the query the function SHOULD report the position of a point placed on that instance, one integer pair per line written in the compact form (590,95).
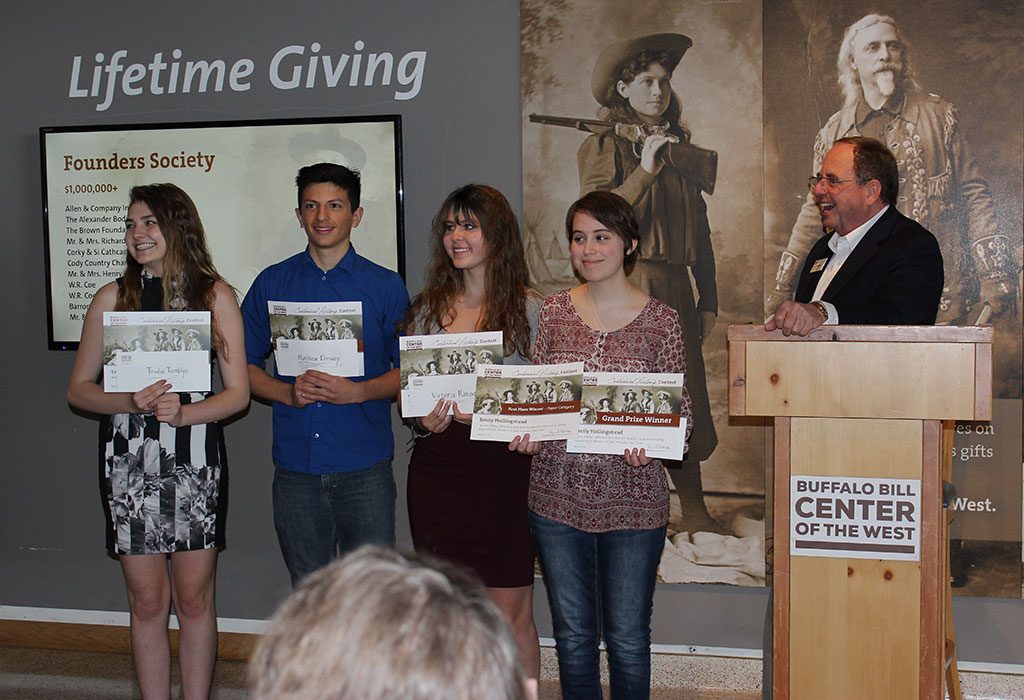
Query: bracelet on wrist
(417,429)
(822,308)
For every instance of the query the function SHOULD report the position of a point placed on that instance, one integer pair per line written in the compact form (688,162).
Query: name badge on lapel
(819,265)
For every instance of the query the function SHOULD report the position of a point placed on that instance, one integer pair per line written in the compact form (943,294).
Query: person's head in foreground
(382,625)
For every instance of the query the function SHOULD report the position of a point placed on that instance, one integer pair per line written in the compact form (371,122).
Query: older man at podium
(873,265)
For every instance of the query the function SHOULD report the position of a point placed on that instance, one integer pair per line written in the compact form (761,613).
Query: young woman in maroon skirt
(467,499)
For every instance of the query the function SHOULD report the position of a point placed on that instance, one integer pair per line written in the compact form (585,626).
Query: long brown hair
(188,276)
(507,280)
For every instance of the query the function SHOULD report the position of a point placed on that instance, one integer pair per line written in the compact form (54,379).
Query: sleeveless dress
(164,488)
(467,504)
(467,499)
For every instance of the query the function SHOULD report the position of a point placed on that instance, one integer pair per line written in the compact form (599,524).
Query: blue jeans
(600,584)
(320,516)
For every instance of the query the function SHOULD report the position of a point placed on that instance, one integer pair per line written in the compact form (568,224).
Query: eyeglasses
(831,182)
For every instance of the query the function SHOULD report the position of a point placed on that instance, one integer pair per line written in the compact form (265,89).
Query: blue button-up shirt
(322,438)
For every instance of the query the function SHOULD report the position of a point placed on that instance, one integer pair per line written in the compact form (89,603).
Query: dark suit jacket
(892,277)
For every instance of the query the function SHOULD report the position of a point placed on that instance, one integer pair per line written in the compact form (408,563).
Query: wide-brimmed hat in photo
(609,64)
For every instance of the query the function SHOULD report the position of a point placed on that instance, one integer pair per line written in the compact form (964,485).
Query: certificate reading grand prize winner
(443,366)
(321,335)
(143,347)
(626,410)
(542,400)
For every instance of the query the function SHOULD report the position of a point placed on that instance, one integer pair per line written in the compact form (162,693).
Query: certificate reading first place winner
(321,335)
(143,347)
(542,400)
(443,366)
(626,410)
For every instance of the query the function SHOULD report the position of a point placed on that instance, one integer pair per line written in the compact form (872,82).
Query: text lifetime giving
(292,67)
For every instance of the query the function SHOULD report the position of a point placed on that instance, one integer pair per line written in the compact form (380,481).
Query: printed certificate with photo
(542,400)
(143,347)
(320,335)
(443,366)
(626,410)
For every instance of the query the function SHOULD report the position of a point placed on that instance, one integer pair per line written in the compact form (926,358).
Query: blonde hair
(378,625)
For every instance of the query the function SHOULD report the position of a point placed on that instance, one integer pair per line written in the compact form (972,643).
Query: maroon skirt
(467,504)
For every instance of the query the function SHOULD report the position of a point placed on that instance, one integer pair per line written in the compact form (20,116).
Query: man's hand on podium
(795,318)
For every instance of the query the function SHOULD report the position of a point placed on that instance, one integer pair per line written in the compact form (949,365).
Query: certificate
(626,410)
(443,366)
(542,400)
(321,335)
(143,347)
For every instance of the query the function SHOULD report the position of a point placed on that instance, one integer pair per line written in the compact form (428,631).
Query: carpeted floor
(36,674)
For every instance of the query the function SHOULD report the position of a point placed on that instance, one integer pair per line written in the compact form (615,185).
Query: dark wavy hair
(188,276)
(507,279)
(612,211)
(619,109)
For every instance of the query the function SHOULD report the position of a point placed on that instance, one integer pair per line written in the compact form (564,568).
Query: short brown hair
(612,211)
(873,161)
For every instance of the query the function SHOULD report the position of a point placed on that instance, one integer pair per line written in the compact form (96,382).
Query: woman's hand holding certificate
(636,458)
(168,409)
(523,445)
(438,419)
(144,400)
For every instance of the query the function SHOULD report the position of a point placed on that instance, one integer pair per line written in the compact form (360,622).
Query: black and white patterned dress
(164,488)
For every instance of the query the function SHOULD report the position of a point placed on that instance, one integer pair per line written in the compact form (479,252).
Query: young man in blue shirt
(332,442)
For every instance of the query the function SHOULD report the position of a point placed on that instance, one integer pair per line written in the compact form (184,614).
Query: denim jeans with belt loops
(600,585)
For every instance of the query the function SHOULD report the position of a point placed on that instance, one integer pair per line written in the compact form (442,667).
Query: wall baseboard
(234,646)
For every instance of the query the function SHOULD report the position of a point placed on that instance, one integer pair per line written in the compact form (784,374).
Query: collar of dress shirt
(843,245)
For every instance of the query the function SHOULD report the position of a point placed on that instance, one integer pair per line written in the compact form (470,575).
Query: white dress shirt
(841,247)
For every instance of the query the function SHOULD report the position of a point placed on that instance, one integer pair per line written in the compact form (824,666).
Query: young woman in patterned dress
(599,520)
(163,457)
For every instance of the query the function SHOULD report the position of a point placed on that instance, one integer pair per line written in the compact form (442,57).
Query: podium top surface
(870,334)
(890,372)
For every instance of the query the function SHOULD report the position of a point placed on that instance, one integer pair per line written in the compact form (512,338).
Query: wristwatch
(822,308)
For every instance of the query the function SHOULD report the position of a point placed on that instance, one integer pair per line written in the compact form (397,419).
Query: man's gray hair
(848,79)
(378,625)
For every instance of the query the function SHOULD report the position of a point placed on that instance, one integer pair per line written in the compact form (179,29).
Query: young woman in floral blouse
(599,520)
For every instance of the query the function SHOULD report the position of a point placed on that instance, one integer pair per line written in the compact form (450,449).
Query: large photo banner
(940,84)
(759,91)
(701,220)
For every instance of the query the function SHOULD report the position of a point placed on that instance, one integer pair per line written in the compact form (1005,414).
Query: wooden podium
(863,432)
